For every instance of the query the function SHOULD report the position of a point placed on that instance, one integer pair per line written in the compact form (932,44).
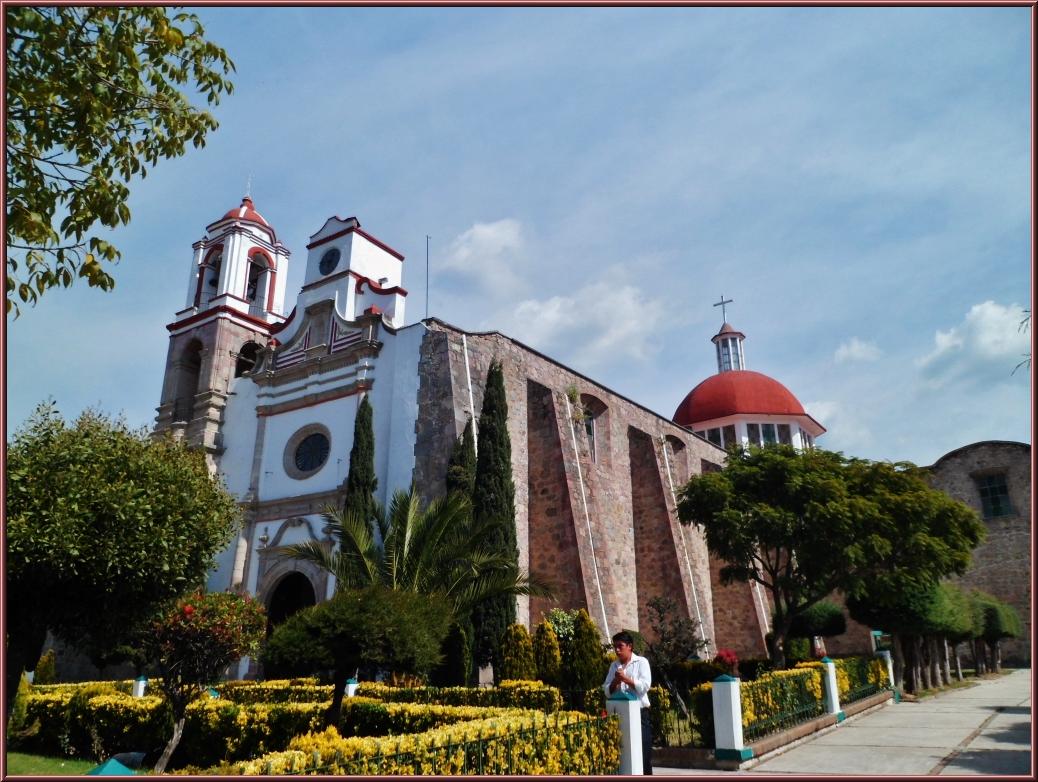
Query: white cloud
(857,350)
(487,254)
(989,339)
(845,430)
(601,323)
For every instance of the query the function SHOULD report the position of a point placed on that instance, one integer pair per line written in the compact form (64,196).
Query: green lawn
(20,763)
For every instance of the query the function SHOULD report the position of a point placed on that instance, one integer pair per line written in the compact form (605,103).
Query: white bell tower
(235,297)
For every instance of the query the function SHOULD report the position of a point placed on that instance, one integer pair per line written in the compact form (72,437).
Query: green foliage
(93,99)
(493,505)
(677,636)
(105,528)
(563,623)
(18,718)
(361,481)
(193,642)
(425,551)
(373,629)
(824,618)
(46,669)
(689,674)
(587,664)
(461,467)
(998,619)
(807,523)
(798,648)
(456,667)
(517,654)
(547,655)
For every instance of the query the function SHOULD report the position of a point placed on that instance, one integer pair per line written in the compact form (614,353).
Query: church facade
(272,399)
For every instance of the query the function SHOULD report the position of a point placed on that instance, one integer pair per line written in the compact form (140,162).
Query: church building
(271,396)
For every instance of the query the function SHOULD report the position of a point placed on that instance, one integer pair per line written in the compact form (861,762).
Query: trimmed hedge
(779,692)
(507,694)
(526,743)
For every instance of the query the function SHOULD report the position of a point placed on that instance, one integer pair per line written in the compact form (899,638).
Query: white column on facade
(192,279)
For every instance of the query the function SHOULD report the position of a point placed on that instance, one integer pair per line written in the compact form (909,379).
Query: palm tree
(435,550)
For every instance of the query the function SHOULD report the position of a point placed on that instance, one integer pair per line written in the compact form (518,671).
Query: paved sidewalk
(984,729)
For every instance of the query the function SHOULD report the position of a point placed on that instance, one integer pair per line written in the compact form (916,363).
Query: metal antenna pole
(427,276)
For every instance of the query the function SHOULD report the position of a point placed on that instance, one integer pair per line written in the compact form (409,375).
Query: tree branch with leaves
(93,99)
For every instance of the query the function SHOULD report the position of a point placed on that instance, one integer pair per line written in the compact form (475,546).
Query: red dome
(737,392)
(246,212)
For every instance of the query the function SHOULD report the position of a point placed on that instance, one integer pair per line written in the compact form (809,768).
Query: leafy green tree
(995,620)
(430,551)
(105,528)
(362,631)
(461,468)
(194,642)
(93,99)
(547,655)
(493,503)
(807,523)
(824,618)
(517,654)
(361,481)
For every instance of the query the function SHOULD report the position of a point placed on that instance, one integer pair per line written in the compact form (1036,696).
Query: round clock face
(329,261)
(312,452)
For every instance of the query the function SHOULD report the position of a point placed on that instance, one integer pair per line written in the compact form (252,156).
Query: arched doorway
(293,593)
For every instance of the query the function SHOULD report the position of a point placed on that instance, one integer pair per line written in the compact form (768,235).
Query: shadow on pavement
(1012,761)
(1010,709)
(1015,734)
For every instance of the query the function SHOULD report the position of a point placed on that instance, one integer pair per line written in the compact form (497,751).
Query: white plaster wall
(280,282)
(374,262)
(338,415)
(239,435)
(394,401)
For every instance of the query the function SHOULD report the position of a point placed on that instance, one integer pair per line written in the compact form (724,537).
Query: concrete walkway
(984,729)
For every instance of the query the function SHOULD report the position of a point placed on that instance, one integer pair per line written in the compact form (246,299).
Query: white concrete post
(629,712)
(890,668)
(728,720)
(351,687)
(832,690)
(140,684)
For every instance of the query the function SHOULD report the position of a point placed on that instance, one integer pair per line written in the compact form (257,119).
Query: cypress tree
(361,481)
(461,468)
(493,501)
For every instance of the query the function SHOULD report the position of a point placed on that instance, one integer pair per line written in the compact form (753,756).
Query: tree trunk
(958,662)
(923,662)
(167,753)
(24,649)
(899,663)
(338,690)
(977,647)
(946,657)
(936,669)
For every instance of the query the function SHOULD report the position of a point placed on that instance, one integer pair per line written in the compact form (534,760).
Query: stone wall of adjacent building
(1001,564)
(595,475)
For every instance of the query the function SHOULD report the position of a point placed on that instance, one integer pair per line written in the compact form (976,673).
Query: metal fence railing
(804,711)
(857,693)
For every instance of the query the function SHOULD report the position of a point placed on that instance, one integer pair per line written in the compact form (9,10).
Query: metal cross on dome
(721,304)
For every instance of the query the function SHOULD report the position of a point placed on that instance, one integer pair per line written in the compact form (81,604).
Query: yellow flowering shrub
(509,693)
(772,697)
(276,691)
(521,743)
(855,676)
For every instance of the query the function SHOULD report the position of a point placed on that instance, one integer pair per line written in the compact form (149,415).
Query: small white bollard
(351,687)
(832,690)
(890,667)
(30,676)
(628,709)
(140,684)
(728,720)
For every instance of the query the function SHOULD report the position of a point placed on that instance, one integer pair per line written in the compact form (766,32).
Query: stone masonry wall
(1002,563)
(552,456)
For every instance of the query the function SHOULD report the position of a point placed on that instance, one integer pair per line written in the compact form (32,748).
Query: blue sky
(856,179)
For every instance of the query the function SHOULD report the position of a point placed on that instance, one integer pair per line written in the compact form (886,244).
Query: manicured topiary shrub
(587,665)
(546,654)
(517,654)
